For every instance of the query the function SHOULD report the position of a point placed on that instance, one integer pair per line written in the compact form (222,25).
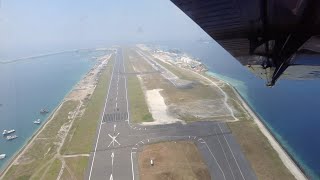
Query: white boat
(2,156)
(11,137)
(6,132)
(37,121)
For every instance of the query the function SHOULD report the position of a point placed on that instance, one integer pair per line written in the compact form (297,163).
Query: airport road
(118,141)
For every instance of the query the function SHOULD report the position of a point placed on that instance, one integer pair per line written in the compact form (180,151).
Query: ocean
(28,85)
(290,109)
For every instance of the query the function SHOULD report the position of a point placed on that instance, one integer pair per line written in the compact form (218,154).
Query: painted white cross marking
(114,140)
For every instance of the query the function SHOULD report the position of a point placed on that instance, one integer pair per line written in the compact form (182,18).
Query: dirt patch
(172,160)
(205,109)
(158,108)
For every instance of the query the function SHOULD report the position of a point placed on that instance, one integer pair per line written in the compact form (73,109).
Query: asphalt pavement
(118,141)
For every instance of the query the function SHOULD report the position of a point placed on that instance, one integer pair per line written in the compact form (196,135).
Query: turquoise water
(290,109)
(32,84)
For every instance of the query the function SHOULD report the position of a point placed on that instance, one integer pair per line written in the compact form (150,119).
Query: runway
(118,141)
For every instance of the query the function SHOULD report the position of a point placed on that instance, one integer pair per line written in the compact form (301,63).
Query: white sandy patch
(87,84)
(164,58)
(158,108)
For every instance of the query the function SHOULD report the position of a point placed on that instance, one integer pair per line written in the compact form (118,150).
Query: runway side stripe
(231,152)
(105,104)
(224,177)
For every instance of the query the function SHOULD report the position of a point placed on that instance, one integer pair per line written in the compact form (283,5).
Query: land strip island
(141,105)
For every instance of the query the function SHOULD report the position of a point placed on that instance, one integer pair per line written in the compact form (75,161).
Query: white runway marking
(132,166)
(125,85)
(114,127)
(112,156)
(111,177)
(96,146)
(224,177)
(225,155)
(114,140)
(231,152)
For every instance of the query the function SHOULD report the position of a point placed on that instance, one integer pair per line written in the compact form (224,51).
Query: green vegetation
(256,147)
(78,166)
(53,171)
(139,111)
(42,159)
(40,154)
(81,136)
(138,108)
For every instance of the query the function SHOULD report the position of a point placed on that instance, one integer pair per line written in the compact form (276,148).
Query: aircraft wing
(270,37)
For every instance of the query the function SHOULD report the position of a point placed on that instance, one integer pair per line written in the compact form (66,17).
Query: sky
(58,24)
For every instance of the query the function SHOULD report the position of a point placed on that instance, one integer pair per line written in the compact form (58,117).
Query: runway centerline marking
(112,156)
(132,170)
(114,140)
(114,127)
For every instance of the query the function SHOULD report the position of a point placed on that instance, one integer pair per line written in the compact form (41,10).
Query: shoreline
(29,141)
(292,165)
(287,159)
(32,138)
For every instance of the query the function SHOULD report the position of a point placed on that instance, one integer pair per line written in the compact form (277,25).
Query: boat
(37,121)
(2,156)
(6,132)
(44,111)
(11,137)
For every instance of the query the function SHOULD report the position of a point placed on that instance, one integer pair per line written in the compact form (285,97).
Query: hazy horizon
(32,26)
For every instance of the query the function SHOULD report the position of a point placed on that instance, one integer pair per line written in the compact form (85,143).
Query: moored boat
(6,132)
(11,137)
